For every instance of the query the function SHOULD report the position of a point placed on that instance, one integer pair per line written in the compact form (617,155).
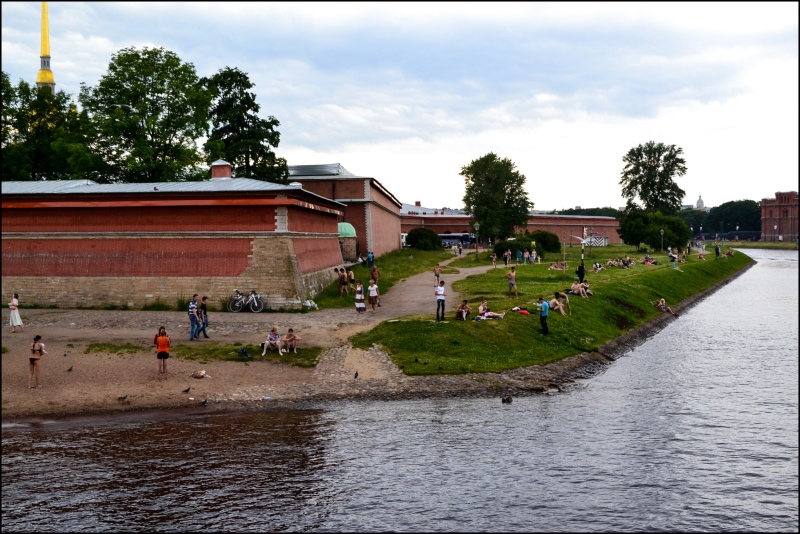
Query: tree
(694,218)
(637,227)
(495,196)
(149,109)
(633,227)
(238,134)
(725,217)
(424,239)
(548,241)
(648,174)
(594,212)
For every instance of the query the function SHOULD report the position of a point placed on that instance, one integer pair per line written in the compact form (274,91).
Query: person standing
(194,319)
(373,293)
(440,295)
(512,281)
(716,250)
(437,272)
(526,257)
(162,351)
(202,314)
(360,307)
(581,271)
(351,279)
(519,257)
(35,359)
(370,259)
(544,309)
(375,273)
(15,320)
(494,260)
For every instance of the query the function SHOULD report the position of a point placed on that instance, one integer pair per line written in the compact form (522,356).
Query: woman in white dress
(16,320)
(360,306)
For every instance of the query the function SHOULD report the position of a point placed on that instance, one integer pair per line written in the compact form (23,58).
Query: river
(694,430)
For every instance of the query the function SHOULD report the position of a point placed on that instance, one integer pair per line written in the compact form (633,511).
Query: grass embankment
(206,352)
(623,299)
(394,266)
(776,245)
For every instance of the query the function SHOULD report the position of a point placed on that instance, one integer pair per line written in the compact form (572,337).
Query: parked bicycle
(238,302)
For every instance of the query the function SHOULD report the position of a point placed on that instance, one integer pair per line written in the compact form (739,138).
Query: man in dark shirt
(202,315)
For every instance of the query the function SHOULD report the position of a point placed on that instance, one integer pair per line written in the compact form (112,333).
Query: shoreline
(382,381)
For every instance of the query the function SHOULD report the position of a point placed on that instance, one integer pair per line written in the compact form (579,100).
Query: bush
(520,242)
(424,239)
(156,305)
(548,241)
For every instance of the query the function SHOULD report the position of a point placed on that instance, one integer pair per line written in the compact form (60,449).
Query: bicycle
(239,302)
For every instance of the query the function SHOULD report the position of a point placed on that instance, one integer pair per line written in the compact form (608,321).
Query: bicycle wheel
(235,305)
(256,305)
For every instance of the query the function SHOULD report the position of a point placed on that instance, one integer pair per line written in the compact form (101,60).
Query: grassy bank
(623,299)
(393,266)
(776,245)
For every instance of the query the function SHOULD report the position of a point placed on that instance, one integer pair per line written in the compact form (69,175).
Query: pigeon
(70,369)
(203,402)
(425,362)
(155,189)
(65,354)
(187,389)
(416,360)
(506,400)
(356,375)
(122,398)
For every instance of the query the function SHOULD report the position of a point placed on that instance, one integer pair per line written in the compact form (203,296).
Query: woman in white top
(360,307)
(16,320)
(373,293)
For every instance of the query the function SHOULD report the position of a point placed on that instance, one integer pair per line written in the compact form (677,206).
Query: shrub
(424,239)
(156,305)
(182,303)
(548,240)
(520,242)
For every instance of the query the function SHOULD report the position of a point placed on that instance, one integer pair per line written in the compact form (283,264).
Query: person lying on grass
(483,311)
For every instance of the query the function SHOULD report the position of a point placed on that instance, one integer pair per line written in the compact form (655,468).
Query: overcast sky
(410,93)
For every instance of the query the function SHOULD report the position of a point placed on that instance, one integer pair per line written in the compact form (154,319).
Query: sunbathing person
(661,305)
(564,301)
(483,311)
(577,289)
(555,305)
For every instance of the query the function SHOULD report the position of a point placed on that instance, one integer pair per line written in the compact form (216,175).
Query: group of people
(198,318)
(558,266)
(622,263)
(286,343)
(369,294)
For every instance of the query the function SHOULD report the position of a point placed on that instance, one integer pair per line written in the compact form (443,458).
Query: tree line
(142,122)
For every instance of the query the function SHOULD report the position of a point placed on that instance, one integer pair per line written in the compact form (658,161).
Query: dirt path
(98,380)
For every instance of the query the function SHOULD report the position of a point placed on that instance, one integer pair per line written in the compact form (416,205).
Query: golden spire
(45,77)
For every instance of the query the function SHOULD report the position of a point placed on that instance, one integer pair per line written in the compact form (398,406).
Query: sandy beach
(98,380)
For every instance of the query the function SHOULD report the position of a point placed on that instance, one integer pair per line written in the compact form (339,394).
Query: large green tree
(638,226)
(495,196)
(238,134)
(149,109)
(594,212)
(746,214)
(695,219)
(649,173)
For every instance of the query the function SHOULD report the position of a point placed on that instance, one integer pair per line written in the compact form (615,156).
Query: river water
(695,430)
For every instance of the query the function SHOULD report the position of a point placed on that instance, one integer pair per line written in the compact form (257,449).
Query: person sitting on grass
(463,311)
(700,256)
(661,305)
(556,305)
(290,341)
(577,289)
(585,286)
(483,311)
(273,342)
(564,298)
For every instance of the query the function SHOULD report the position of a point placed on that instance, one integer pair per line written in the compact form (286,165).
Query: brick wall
(384,221)
(304,220)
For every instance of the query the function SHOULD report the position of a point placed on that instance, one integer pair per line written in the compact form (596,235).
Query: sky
(410,93)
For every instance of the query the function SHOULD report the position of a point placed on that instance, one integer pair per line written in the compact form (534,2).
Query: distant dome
(346,230)
(700,203)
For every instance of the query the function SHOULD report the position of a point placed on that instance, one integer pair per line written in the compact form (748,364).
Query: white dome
(700,203)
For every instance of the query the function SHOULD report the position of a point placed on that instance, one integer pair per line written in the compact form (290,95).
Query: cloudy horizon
(410,93)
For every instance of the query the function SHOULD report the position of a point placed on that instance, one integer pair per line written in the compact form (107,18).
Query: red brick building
(373,211)
(78,243)
(779,217)
(450,221)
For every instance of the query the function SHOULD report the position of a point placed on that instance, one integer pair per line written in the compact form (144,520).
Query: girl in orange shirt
(162,341)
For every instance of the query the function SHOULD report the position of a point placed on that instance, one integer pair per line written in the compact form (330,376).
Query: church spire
(45,77)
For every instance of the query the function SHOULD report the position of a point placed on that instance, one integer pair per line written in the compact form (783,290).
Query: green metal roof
(346,230)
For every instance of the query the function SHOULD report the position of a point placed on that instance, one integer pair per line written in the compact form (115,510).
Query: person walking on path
(194,319)
(370,259)
(440,295)
(35,359)
(581,271)
(202,314)
(162,351)
(375,273)
(360,307)
(494,260)
(437,272)
(373,293)
(544,309)
(15,320)
(512,281)
(716,250)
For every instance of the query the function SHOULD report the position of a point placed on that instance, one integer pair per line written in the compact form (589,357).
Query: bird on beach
(203,402)
(65,353)
(187,389)
(356,375)
(506,400)
(70,369)
(122,398)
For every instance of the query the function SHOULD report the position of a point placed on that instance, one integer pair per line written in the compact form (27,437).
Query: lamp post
(662,240)
(775,233)
(737,232)
(570,240)
(564,248)
(477,227)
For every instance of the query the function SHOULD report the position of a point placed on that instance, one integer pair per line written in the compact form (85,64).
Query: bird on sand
(203,402)
(70,369)
(187,389)
(122,398)
(356,375)
(65,354)
(506,400)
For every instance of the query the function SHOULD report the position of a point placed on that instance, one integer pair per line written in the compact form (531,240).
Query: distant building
(45,76)
(779,217)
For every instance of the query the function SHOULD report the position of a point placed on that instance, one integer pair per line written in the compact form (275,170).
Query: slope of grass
(623,299)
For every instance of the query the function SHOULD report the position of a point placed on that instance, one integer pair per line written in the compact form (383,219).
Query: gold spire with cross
(45,77)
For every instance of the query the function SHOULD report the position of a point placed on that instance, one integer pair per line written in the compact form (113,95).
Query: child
(290,341)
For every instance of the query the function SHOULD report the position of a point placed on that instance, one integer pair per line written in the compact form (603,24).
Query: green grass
(37,306)
(623,300)
(775,245)
(157,305)
(206,352)
(5,349)
(394,266)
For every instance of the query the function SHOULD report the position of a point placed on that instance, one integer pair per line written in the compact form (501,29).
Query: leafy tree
(547,240)
(633,227)
(725,217)
(676,233)
(596,212)
(424,239)
(238,134)
(520,242)
(694,218)
(9,96)
(495,196)
(649,174)
(149,109)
